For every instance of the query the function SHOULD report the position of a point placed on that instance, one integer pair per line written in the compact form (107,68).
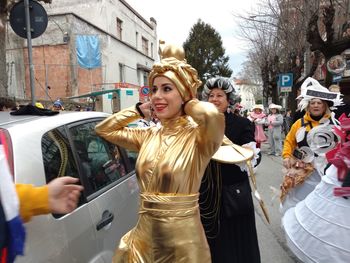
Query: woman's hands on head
(186,102)
(146,109)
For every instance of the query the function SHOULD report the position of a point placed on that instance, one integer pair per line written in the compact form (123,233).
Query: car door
(60,238)
(110,187)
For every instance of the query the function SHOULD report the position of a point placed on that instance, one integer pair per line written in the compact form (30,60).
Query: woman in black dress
(226,203)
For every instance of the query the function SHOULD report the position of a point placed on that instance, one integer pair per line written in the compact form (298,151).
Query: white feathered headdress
(312,89)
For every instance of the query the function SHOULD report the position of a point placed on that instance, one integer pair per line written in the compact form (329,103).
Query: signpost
(144,93)
(28,19)
(285,82)
(269,100)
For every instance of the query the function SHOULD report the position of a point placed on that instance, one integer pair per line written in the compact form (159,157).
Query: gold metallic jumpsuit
(171,162)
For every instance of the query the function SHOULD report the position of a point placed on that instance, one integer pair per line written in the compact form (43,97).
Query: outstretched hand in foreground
(64,194)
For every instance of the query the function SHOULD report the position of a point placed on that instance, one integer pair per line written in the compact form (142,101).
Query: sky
(176,18)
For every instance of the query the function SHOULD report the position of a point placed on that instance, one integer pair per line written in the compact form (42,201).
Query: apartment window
(151,50)
(137,40)
(145,46)
(119,28)
(145,79)
(121,72)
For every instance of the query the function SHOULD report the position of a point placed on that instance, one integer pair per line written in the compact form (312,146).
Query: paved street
(273,248)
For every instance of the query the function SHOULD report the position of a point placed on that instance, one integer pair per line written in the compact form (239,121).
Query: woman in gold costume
(171,162)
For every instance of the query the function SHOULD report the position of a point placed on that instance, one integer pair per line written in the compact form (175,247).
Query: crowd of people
(182,186)
(169,177)
(9,104)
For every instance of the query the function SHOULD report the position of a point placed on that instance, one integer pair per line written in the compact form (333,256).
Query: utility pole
(30,54)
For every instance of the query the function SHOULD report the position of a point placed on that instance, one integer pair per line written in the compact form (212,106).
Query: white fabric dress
(318,228)
(300,192)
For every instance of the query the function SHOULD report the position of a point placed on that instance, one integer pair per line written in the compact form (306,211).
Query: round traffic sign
(38,19)
(144,91)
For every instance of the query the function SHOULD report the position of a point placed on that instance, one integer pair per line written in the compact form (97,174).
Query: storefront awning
(93,94)
(143,67)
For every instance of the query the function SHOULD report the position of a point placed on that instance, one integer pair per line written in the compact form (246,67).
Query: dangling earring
(183,107)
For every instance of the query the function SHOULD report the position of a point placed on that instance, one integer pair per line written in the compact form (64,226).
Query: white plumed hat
(312,89)
(275,106)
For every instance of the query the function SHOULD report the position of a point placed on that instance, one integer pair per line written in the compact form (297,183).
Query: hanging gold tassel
(234,154)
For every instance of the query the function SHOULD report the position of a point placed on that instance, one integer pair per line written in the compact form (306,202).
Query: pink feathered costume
(258,120)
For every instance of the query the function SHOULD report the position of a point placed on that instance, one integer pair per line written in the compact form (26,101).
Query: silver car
(41,148)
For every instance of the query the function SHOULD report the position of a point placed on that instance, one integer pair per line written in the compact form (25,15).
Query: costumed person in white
(308,140)
(318,228)
(275,121)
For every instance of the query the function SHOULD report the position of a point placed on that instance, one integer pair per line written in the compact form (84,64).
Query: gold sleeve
(115,129)
(211,124)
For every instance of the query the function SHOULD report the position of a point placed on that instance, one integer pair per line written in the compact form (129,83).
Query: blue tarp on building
(88,51)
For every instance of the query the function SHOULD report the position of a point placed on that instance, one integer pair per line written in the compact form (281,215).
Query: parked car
(41,148)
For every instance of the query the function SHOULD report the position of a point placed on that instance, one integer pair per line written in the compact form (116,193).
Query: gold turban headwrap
(173,66)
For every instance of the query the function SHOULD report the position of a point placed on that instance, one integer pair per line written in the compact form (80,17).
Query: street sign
(129,93)
(285,82)
(38,19)
(144,91)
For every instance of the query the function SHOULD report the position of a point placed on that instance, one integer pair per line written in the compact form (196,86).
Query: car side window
(57,155)
(132,157)
(100,161)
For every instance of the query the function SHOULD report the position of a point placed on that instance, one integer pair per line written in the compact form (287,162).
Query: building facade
(340,25)
(246,92)
(127,45)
